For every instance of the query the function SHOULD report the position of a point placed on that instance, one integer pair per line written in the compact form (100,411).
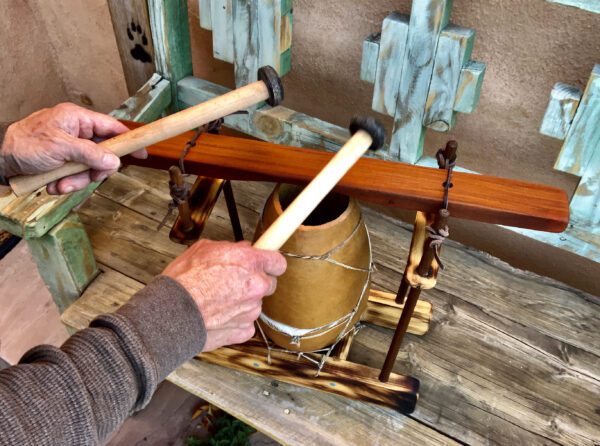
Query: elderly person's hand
(49,138)
(228,282)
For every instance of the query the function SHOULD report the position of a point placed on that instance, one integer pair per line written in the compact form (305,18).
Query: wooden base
(337,376)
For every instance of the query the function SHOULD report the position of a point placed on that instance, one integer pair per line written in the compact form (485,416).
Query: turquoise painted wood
(563,103)
(454,50)
(250,34)
(204,6)
(587,5)
(423,74)
(370,53)
(427,19)
(148,103)
(585,204)
(171,36)
(392,49)
(469,87)
(222,26)
(583,136)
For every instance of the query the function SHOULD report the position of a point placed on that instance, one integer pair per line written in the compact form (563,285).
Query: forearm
(81,392)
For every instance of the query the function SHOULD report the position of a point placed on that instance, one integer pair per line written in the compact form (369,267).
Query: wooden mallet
(367,134)
(268,88)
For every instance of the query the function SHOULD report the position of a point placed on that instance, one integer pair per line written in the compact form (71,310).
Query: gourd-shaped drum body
(325,289)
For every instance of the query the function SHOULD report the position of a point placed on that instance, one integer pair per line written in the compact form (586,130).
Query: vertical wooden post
(171,36)
(65,260)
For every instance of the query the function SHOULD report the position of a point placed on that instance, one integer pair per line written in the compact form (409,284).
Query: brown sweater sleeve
(78,394)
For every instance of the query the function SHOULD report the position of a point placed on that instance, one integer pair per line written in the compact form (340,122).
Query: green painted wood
(171,35)
(453,51)
(65,260)
(587,5)
(204,7)
(222,26)
(563,103)
(370,54)
(469,87)
(583,137)
(427,19)
(390,60)
(148,103)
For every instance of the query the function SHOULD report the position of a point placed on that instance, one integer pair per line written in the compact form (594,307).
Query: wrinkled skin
(50,137)
(228,282)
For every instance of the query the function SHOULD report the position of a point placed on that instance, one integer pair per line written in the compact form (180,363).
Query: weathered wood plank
(507,362)
(390,62)
(245,41)
(469,87)
(204,6)
(585,204)
(511,357)
(171,36)
(222,25)
(453,51)
(427,19)
(65,260)
(34,215)
(583,137)
(134,40)
(474,197)
(149,102)
(268,33)
(370,55)
(560,111)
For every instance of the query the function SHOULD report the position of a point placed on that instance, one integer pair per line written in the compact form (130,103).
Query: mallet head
(372,126)
(269,76)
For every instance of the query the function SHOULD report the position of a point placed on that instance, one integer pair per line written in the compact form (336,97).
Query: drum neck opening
(330,209)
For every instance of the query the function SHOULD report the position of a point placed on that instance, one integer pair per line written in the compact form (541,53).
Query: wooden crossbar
(473,197)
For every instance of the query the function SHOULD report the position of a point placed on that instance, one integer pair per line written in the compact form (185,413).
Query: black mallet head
(269,76)
(372,126)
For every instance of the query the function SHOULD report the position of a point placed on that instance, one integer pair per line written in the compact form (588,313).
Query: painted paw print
(138,36)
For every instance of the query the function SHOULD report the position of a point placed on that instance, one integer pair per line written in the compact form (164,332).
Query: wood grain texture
(370,54)
(65,260)
(131,26)
(469,87)
(476,197)
(511,357)
(35,214)
(204,6)
(390,61)
(222,25)
(148,103)
(563,103)
(583,136)
(245,41)
(339,377)
(453,51)
(171,36)
(427,19)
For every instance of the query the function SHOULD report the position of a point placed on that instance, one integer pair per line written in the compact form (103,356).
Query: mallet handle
(310,197)
(168,127)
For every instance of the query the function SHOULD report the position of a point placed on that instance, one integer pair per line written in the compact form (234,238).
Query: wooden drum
(325,289)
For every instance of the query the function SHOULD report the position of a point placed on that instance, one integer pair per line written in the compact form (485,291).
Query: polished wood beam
(472,197)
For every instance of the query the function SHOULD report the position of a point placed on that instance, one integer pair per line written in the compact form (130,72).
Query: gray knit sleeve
(78,394)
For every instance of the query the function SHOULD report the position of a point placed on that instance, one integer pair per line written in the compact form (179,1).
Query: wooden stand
(339,375)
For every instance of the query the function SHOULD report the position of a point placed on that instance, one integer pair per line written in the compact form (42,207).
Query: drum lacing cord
(312,333)
(437,239)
